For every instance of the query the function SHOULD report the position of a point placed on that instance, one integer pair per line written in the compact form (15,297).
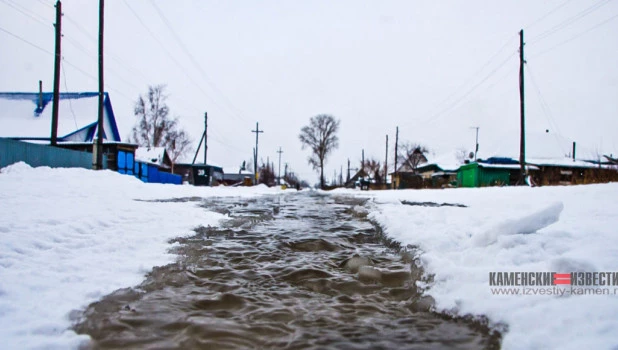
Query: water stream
(295,271)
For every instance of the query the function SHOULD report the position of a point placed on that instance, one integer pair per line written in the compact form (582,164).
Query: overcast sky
(433,68)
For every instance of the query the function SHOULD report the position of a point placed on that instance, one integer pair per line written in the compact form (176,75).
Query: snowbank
(546,229)
(71,236)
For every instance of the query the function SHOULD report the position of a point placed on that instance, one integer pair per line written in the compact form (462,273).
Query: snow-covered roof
(236,170)
(506,166)
(538,146)
(562,162)
(21,116)
(152,155)
(446,161)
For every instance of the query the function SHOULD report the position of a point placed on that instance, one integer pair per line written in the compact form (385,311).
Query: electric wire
(26,12)
(80,47)
(435,116)
(538,20)
(569,21)
(576,36)
(546,110)
(169,54)
(192,58)
(66,89)
(476,73)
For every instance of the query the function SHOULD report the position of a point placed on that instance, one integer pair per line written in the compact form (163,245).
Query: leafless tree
(321,137)
(412,155)
(462,155)
(373,168)
(155,128)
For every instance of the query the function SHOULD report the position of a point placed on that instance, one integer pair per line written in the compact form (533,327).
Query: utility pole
(348,177)
(363,161)
(57,60)
(279,172)
(386,161)
(476,150)
(522,137)
(100,127)
(396,150)
(257,132)
(205,136)
(204,139)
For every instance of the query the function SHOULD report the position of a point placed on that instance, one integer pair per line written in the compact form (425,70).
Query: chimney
(40,95)
(573,150)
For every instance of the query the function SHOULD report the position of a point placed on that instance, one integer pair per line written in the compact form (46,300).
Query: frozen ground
(543,229)
(71,236)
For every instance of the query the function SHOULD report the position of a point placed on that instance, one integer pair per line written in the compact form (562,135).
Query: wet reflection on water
(294,271)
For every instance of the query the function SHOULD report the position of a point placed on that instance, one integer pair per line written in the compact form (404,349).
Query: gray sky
(433,68)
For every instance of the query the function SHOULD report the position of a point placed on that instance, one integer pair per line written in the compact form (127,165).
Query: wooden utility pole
(363,161)
(205,137)
(522,136)
(386,161)
(257,132)
(100,128)
(57,60)
(476,149)
(279,172)
(396,150)
(348,177)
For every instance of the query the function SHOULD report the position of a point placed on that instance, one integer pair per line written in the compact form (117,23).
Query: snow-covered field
(70,236)
(544,229)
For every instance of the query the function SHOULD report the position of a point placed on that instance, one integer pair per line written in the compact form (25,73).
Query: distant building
(236,176)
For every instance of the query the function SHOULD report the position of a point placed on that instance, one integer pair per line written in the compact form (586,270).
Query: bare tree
(155,128)
(321,137)
(373,168)
(462,155)
(412,155)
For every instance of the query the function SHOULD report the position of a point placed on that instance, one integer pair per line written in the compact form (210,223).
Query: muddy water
(295,271)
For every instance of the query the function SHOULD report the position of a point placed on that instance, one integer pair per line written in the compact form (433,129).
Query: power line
(470,91)
(577,35)
(567,22)
(545,108)
(67,62)
(66,89)
(189,76)
(546,15)
(192,58)
(476,73)
(26,41)
(26,12)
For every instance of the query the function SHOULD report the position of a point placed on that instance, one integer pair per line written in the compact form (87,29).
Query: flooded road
(295,271)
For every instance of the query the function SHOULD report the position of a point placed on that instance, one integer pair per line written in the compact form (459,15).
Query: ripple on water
(296,271)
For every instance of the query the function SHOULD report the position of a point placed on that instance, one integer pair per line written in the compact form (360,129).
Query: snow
(152,155)
(447,161)
(541,229)
(563,162)
(71,236)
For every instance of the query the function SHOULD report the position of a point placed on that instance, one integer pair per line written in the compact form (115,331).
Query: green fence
(12,151)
